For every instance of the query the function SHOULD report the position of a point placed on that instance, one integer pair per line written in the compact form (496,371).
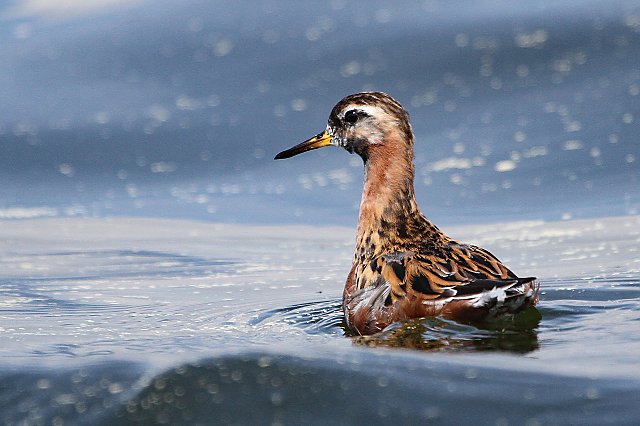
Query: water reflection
(517,334)
(511,334)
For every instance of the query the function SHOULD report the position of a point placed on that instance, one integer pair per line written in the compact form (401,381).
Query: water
(164,321)
(176,110)
(157,266)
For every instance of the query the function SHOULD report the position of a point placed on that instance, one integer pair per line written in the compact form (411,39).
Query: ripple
(514,334)
(323,317)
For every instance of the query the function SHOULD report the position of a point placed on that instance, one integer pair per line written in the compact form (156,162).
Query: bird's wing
(465,273)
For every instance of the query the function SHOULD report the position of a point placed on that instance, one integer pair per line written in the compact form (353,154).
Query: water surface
(146,320)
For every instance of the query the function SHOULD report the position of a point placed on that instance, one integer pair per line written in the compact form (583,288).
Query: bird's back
(431,275)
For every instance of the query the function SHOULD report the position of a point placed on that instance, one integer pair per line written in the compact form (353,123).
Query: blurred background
(521,110)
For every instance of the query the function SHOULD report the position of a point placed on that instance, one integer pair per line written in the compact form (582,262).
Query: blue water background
(520,109)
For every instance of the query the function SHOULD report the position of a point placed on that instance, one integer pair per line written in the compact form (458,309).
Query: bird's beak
(318,141)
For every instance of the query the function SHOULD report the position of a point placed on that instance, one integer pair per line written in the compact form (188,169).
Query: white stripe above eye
(368,109)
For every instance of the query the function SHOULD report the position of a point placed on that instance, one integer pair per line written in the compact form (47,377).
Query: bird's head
(359,123)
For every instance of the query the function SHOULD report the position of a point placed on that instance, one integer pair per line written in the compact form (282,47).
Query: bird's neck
(388,199)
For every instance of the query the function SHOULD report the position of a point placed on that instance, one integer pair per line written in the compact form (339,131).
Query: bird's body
(404,266)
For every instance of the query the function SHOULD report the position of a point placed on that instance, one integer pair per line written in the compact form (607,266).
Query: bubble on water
(486,43)
(535,151)
(222,47)
(163,167)
(24,128)
(486,70)
(305,181)
(496,83)
(535,39)
(489,187)
(550,107)
(522,70)
(277,398)
(320,179)
(201,199)
(572,145)
(340,177)
(451,163)
(102,117)
(458,148)
(456,179)
(505,166)
(430,97)
(471,373)
(132,190)
(592,393)
(66,169)
(115,388)
(298,104)
(572,126)
(43,384)
(632,20)
(350,69)
(185,103)
(580,57)
(561,65)
(158,113)
(279,110)
(258,153)
(627,118)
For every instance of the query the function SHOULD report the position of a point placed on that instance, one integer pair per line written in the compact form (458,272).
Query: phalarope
(404,267)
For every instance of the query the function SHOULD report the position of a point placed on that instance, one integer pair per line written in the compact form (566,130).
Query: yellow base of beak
(318,141)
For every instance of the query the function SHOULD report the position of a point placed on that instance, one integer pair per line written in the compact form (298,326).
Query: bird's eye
(351,116)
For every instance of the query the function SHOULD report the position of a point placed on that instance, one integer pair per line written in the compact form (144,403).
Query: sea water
(184,322)
(157,266)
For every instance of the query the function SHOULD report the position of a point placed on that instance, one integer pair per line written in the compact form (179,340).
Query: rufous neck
(388,194)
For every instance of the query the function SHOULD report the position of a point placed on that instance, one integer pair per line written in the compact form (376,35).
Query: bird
(404,267)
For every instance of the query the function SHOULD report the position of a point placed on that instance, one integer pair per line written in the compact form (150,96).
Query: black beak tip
(280,156)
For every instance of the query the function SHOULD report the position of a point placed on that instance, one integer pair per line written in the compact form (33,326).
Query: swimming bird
(404,267)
